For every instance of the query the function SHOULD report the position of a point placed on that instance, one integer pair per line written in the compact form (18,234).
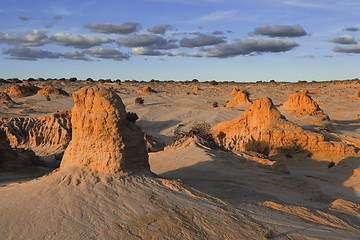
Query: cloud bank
(120,28)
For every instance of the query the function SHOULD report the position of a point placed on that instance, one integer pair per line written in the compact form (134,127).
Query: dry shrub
(200,130)
(258,146)
(139,100)
(215,104)
(132,117)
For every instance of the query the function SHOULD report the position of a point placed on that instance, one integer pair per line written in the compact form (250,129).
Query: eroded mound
(51,90)
(233,92)
(14,158)
(21,90)
(4,97)
(241,98)
(262,121)
(146,90)
(356,95)
(300,103)
(102,136)
(48,136)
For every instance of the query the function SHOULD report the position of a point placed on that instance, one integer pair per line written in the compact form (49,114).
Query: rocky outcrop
(262,121)
(146,90)
(102,137)
(5,98)
(300,103)
(356,95)
(46,136)
(21,90)
(241,98)
(233,92)
(14,158)
(51,90)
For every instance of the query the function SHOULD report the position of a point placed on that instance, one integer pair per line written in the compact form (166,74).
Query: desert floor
(308,200)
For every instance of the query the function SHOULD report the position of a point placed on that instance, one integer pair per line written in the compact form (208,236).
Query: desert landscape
(85,159)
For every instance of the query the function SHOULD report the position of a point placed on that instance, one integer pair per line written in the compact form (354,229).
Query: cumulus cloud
(120,28)
(249,46)
(145,51)
(146,40)
(354,48)
(75,55)
(79,41)
(107,53)
(23,53)
(344,39)
(352,29)
(159,29)
(32,38)
(201,40)
(280,30)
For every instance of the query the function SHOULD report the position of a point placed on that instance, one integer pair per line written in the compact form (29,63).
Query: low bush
(258,146)
(139,100)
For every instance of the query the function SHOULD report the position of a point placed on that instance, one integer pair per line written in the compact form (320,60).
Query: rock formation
(5,97)
(51,90)
(14,158)
(233,92)
(262,121)
(356,95)
(102,137)
(241,98)
(300,103)
(146,90)
(22,90)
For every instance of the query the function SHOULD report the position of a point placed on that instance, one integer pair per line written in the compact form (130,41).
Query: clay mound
(300,103)
(48,136)
(146,90)
(233,92)
(262,121)
(102,137)
(356,95)
(21,90)
(241,98)
(51,90)
(14,158)
(4,97)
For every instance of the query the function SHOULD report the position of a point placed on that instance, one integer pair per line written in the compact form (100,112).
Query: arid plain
(179,160)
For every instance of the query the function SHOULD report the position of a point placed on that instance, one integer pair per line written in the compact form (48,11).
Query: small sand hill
(146,90)
(241,98)
(21,90)
(102,137)
(356,95)
(263,121)
(5,97)
(51,90)
(300,103)
(85,199)
(233,92)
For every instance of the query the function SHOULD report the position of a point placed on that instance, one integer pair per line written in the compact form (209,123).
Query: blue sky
(224,40)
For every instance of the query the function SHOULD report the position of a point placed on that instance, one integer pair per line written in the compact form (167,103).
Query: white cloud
(32,38)
(79,41)
(107,53)
(344,39)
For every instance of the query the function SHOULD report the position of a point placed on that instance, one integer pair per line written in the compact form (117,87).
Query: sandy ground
(308,200)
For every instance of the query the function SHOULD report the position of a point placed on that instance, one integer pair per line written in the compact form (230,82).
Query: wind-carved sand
(109,187)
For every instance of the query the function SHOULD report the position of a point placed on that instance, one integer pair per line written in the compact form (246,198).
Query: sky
(222,40)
